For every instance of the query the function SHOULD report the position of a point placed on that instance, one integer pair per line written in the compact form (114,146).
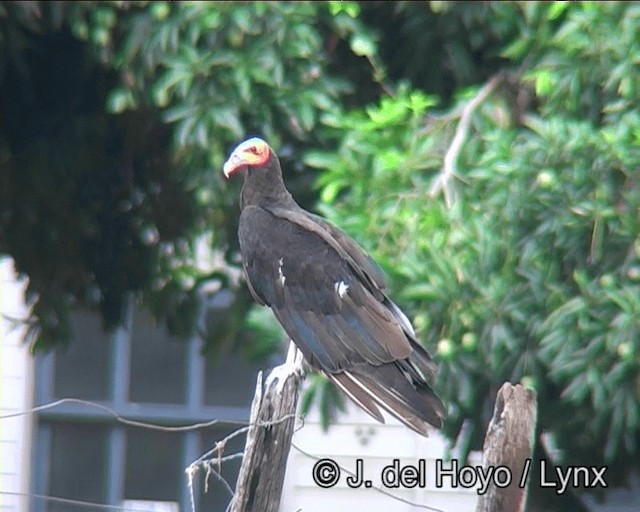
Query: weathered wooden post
(509,442)
(273,414)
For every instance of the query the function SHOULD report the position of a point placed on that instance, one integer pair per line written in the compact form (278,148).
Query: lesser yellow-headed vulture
(329,297)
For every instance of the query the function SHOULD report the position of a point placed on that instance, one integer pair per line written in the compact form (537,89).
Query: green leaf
(120,100)
(331,191)
(363,45)
(352,9)
(557,9)
(517,49)
(319,159)
(180,112)
(544,82)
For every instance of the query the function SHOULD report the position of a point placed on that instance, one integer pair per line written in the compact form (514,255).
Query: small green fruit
(446,349)
(469,341)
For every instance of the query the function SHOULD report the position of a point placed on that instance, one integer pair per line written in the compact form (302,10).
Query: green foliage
(533,274)
(112,149)
(441,47)
(222,70)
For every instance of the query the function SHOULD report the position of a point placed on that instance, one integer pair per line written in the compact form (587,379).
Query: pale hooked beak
(232,164)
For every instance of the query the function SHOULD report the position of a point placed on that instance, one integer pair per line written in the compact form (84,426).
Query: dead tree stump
(509,442)
(273,414)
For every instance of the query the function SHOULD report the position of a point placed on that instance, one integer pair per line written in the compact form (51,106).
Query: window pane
(158,363)
(217,496)
(230,381)
(153,470)
(78,462)
(81,368)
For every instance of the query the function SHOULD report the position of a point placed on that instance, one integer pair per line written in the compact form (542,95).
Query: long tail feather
(416,408)
(360,396)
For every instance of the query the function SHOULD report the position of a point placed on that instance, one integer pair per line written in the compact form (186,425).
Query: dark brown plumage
(328,295)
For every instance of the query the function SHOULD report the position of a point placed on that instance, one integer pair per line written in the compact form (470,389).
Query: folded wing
(329,297)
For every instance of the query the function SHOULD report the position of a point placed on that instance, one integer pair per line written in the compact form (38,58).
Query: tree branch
(443,182)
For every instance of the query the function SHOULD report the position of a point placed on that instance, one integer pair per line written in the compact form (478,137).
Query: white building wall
(355,435)
(16,377)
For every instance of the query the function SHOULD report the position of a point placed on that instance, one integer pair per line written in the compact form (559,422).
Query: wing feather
(367,270)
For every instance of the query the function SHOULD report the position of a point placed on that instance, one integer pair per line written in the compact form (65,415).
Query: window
(141,373)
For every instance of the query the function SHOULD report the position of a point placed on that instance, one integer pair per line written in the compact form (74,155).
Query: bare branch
(444,181)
